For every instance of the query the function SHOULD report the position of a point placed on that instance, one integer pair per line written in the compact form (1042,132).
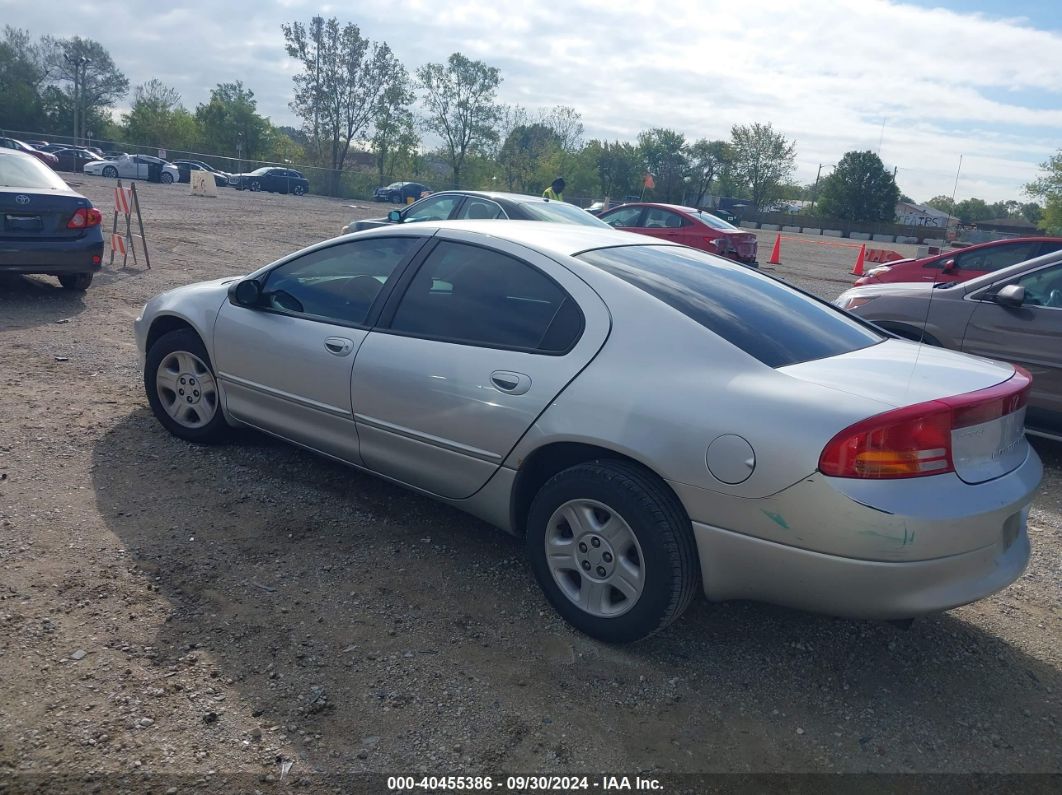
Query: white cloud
(824,73)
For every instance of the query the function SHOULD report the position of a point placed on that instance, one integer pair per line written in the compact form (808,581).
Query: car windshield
(561,213)
(260,171)
(28,172)
(762,316)
(715,221)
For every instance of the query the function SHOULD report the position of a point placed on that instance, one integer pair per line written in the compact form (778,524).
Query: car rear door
(469,351)
(628,218)
(1029,335)
(285,363)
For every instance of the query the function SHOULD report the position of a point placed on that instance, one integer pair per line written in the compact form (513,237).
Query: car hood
(900,373)
(889,288)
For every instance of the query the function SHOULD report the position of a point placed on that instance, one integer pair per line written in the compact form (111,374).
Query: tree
(230,122)
(22,76)
(1048,187)
(394,137)
(859,189)
(156,117)
(567,125)
(95,83)
(1032,212)
(344,77)
(619,167)
(525,149)
(970,211)
(460,106)
(945,204)
(762,161)
(664,154)
(706,159)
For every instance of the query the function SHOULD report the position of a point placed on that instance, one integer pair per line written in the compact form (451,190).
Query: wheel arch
(164,324)
(546,461)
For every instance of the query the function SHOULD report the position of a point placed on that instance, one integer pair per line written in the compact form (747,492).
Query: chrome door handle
(338,346)
(509,382)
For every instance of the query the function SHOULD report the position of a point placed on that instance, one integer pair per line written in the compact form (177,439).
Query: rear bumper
(736,566)
(82,255)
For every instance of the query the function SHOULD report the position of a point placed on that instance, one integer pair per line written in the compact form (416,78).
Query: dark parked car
(1013,314)
(74,159)
(486,205)
(186,167)
(45,157)
(274,180)
(400,192)
(45,227)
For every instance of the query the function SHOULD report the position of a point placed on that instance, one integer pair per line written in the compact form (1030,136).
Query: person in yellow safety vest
(555,191)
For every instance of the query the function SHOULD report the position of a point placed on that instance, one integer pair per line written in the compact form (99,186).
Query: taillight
(84,218)
(915,441)
(721,244)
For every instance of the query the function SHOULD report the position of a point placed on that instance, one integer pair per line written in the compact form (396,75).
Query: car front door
(1028,335)
(285,363)
(466,357)
(666,225)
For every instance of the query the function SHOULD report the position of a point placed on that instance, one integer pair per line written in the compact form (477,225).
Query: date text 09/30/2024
(523,783)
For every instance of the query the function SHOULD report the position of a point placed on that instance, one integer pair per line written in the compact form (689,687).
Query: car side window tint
(480,208)
(1043,287)
(434,208)
(992,259)
(623,217)
(338,283)
(475,295)
(656,218)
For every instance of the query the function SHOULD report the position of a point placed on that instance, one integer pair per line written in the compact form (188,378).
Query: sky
(920,84)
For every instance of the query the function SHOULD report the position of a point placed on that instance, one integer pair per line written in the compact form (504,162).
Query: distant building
(1010,226)
(911,214)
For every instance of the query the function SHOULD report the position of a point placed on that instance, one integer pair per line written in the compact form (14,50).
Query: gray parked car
(1014,314)
(654,420)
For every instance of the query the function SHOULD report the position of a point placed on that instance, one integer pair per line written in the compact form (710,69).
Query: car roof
(518,198)
(661,205)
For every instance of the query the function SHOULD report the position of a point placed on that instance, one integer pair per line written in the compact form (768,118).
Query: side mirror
(949,266)
(1011,296)
(246,293)
(395,217)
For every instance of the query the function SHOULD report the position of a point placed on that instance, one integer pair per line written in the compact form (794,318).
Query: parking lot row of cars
(115,164)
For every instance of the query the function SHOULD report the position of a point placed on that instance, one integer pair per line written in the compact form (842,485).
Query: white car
(134,167)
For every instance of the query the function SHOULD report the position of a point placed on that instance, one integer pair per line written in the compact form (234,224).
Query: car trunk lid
(984,400)
(38,215)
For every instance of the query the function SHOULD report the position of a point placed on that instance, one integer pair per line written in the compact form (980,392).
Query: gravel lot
(166,608)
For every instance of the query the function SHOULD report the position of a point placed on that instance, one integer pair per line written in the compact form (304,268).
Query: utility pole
(815,188)
(79,62)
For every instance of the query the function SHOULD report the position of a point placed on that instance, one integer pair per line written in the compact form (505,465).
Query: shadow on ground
(396,629)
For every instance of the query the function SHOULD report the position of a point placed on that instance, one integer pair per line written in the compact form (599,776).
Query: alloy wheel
(186,389)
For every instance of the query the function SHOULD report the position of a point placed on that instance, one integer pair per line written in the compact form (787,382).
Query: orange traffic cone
(776,253)
(858,269)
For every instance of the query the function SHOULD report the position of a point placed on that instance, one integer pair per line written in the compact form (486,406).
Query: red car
(45,157)
(961,264)
(686,225)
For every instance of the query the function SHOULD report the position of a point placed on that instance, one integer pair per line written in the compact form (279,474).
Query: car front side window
(336,284)
(434,208)
(1043,287)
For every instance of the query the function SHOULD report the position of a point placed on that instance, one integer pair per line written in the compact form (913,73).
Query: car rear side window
(478,296)
(763,317)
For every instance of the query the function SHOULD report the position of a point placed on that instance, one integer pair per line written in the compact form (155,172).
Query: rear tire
(183,390)
(110,171)
(167,178)
(256,186)
(76,281)
(298,190)
(613,550)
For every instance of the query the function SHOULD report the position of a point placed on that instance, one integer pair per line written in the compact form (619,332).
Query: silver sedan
(654,421)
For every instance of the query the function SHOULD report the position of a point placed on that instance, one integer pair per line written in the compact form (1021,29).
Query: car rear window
(28,172)
(763,317)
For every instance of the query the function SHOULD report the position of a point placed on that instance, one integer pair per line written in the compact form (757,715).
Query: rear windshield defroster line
(763,317)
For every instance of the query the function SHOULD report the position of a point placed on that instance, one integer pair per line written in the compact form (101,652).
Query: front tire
(256,186)
(613,550)
(183,390)
(76,281)
(298,190)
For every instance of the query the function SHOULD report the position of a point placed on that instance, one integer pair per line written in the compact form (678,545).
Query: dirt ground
(172,609)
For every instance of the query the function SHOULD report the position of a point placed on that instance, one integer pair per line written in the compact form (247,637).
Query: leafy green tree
(343,79)
(1048,187)
(156,118)
(526,149)
(664,154)
(1032,212)
(859,189)
(459,99)
(22,78)
(567,126)
(762,161)
(230,123)
(970,211)
(706,160)
(945,204)
(395,138)
(84,65)
(619,167)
